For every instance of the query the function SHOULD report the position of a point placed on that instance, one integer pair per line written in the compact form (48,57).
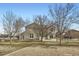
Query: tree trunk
(10,41)
(41,38)
(60,40)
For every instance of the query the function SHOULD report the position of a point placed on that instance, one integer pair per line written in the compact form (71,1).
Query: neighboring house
(31,32)
(3,36)
(72,34)
(6,37)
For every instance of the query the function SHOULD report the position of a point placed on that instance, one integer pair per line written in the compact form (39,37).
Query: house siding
(30,30)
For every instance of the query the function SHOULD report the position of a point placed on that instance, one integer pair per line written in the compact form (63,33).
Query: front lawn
(6,48)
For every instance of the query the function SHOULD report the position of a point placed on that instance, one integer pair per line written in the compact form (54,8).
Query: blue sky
(27,10)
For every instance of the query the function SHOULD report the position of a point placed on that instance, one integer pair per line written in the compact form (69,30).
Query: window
(31,36)
(51,36)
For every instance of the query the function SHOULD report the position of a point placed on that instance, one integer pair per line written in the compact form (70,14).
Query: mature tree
(63,15)
(8,23)
(18,25)
(42,22)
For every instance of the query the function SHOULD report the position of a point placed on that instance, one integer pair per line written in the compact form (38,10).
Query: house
(31,32)
(3,36)
(72,34)
(6,37)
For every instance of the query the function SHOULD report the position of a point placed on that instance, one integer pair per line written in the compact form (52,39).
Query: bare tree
(42,22)
(18,26)
(63,15)
(8,23)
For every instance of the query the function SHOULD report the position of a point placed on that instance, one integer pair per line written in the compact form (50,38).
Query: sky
(26,10)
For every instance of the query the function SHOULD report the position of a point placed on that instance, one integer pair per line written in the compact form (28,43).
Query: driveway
(46,51)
